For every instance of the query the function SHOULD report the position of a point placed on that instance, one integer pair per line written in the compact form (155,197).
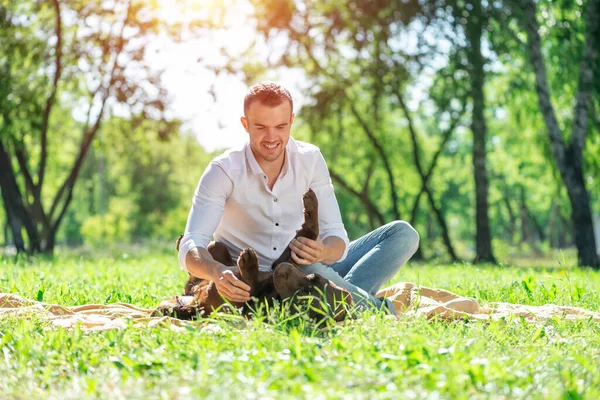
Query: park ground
(279,356)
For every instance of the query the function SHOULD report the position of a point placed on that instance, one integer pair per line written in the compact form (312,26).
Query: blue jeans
(372,260)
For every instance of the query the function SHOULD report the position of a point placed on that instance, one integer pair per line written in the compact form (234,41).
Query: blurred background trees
(476,121)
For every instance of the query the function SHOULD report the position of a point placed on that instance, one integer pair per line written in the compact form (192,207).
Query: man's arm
(200,263)
(207,208)
(332,245)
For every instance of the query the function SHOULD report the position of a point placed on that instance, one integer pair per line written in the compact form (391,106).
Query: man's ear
(244,122)
(292,119)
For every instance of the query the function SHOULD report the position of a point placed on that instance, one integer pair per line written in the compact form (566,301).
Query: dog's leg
(310,226)
(180,307)
(248,265)
(219,253)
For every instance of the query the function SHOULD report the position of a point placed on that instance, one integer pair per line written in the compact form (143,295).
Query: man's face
(269,129)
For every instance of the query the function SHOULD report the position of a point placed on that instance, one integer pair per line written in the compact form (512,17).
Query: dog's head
(325,297)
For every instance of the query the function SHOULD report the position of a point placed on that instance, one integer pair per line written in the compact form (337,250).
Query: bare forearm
(201,264)
(334,249)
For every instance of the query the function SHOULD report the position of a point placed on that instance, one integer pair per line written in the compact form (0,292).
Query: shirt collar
(292,147)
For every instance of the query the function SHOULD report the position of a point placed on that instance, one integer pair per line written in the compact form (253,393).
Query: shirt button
(276,223)
(274,248)
(275,199)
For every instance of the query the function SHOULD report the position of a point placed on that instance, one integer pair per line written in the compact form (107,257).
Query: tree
(81,56)
(470,20)
(568,155)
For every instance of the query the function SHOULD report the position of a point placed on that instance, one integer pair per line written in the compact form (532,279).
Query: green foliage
(64,66)
(113,227)
(135,186)
(360,55)
(374,356)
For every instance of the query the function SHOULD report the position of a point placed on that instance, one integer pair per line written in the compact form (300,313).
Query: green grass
(373,357)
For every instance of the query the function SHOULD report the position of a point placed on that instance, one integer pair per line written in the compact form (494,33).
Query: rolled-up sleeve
(330,218)
(207,208)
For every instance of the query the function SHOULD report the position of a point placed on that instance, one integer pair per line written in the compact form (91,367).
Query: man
(252,197)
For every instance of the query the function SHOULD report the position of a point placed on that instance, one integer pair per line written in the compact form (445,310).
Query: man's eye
(261,128)
(280,127)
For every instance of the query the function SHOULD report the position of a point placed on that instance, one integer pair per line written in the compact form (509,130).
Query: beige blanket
(89,317)
(408,298)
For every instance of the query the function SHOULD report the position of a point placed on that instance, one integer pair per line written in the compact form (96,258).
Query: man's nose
(271,133)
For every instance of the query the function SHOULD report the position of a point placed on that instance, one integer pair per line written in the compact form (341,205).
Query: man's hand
(230,287)
(306,251)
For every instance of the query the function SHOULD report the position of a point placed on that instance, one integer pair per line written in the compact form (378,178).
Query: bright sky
(215,122)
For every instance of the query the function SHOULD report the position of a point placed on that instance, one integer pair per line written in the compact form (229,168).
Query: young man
(252,197)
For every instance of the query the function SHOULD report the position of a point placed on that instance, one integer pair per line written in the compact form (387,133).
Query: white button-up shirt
(234,203)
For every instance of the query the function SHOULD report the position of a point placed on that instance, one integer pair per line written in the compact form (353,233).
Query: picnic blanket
(89,317)
(408,298)
(412,299)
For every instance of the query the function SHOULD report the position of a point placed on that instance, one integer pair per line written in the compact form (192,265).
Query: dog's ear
(178,242)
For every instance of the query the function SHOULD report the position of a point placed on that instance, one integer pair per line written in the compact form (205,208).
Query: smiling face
(269,131)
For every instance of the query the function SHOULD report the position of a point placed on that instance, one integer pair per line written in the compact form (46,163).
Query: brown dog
(286,280)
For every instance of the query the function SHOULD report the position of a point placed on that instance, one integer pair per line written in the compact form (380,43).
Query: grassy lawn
(373,357)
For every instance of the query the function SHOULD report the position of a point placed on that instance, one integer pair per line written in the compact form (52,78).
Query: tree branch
(367,131)
(413,134)
(383,156)
(362,196)
(369,174)
(88,137)
(528,20)
(586,78)
(424,179)
(22,159)
(50,101)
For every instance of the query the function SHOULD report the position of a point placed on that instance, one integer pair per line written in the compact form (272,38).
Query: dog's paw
(247,259)
(310,226)
(311,204)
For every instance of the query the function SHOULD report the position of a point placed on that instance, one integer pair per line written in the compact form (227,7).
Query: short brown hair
(268,93)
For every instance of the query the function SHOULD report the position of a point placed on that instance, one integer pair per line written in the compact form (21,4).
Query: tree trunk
(49,242)
(553,221)
(474,31)
(569,158)
(511,216)
(6,232)
(15,226)
(527,222)
(525,228)
(413,221)
(443,226)
(583,226)
(17,214)
(425,178)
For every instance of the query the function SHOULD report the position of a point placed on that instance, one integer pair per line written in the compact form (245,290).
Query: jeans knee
(405,233)
(316,268)
(326,272)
